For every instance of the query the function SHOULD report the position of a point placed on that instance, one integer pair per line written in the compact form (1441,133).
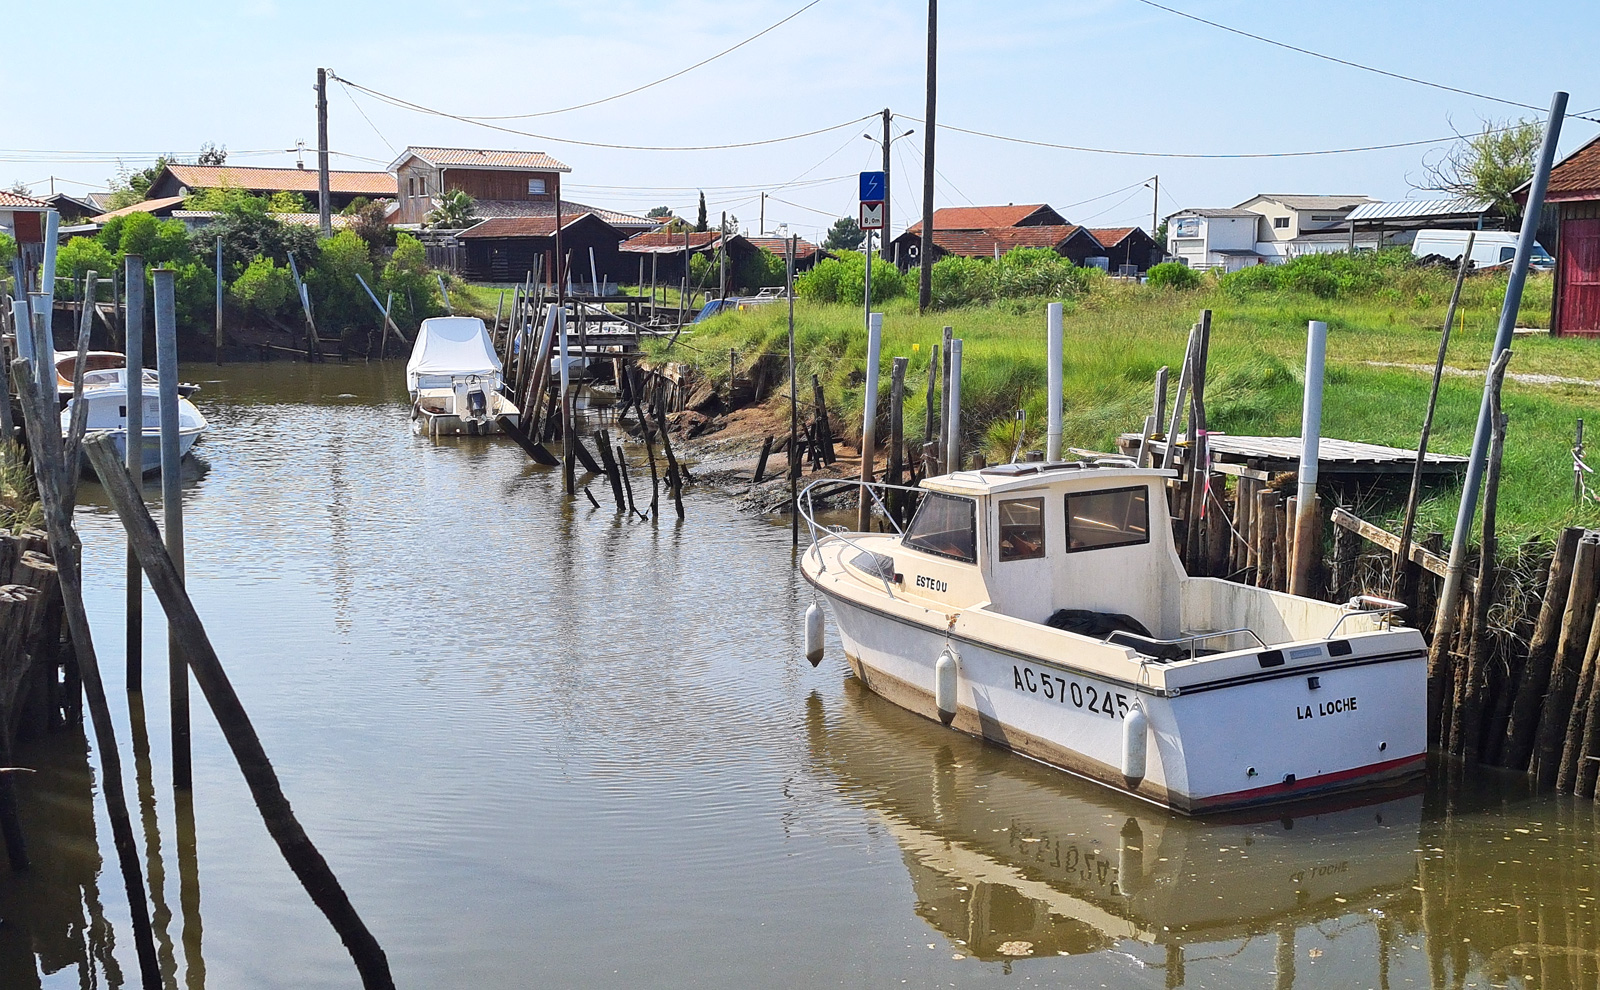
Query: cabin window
(1022,529)
(946,526)
(535,187)
(1116,517)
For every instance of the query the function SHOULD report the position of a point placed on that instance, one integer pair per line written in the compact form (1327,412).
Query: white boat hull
(1269,739)
(151,448)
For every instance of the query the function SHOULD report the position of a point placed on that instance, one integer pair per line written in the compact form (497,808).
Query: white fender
(1135,744)
(814,635)
(944,685)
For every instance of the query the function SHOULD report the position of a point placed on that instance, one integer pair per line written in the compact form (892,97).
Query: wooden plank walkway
(1261,457)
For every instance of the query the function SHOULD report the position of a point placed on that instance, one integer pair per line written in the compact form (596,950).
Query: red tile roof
(1576,177)
(165,204)
(982,243)
(479,158)
(664,242)
(778,245)
(980,217)
(17,201)
(1111,236)
(303,180)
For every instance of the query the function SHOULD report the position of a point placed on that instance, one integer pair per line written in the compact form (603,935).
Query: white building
(1286,216)
(1208,238)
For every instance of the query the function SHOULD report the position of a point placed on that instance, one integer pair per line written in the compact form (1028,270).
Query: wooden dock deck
(1260,458)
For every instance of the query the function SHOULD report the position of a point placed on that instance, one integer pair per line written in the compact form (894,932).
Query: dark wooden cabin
(503,249)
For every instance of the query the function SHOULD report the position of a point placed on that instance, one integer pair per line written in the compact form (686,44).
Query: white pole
(46,362)
(563,340)
(1311,414)
(1053,436)
(952,455)
(869,417)
(22,318)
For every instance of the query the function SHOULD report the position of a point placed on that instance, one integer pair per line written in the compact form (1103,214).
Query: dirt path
(1526,378)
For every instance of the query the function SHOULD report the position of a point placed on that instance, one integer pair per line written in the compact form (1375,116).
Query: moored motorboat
(100,369)
(1043,607)
(106,400)
(454,378)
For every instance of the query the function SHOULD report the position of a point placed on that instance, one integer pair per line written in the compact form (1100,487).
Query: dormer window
(535,187)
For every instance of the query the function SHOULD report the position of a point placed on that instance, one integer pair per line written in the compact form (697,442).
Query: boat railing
(822,533)
(1366,605)
(1192,641)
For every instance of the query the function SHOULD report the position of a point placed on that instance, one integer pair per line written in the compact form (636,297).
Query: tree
(131,187)
(284,201)
(659,213)
(1487,165)
(700,217)
(263,287)
(21,188)
(844,235)
(408,277)
(79,256)
(372,224)
(456,211)
(212,154)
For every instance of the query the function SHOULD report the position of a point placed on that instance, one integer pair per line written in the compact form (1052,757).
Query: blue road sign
(872,187)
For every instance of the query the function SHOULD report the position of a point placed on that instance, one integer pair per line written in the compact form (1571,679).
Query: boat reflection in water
(1011,859)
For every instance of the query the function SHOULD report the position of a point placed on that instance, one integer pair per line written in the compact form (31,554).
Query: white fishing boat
(101,368)
(106,399)
(454,380)
(1042,606)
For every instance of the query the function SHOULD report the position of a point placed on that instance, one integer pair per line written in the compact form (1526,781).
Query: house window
(1327,219)
(535,187)
(1021,528)
(1116,517)
(945,525)
(411,186)
(1280,223)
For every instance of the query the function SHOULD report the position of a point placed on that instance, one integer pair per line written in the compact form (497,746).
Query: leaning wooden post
(133,337)
(297,849)
(44,431)
(1199,463)
(172,509)
(1466,724)
(602,440)
(1575,627)
(627,482)
(869,421)
(80,410)
(1520,726)
(1402,554)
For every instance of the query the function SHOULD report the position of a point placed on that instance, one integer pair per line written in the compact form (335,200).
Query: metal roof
(1416,209)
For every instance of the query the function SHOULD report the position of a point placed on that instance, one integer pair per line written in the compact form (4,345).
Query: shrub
(416,294)
(821,283)
(1171,275)
(761,269)
(340,299)
(843,279)
(285,201)
(8,248)
(79,256)
(960,281)
(264,287)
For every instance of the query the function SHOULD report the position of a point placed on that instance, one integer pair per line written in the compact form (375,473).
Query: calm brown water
(542,747)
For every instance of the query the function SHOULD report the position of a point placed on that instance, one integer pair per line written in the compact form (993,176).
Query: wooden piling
(761,462)
(1466,723)
(1575,627)
(627,483)
(674,475)
(1568,772)
(650,454)
(897,387)
(1517,747)
(824,428)
(1266,535)
(608,467)
(930,431)
(44,433)
(296,847)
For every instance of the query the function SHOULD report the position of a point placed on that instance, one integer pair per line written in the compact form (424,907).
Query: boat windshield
(945,525)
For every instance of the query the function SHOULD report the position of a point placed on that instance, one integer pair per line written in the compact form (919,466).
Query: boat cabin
(1086,547)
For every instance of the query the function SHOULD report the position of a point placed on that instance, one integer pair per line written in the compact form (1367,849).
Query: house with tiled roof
(503,183)
(506,249)
(991,217)
(23,218)
(1574,195)
(1068,240)
(806,254)
(1128,248)
(973,231)
(182,181)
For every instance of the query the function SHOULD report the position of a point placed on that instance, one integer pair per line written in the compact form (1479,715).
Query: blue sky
(128,81)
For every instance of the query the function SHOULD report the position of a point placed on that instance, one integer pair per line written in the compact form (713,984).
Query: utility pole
(888,232)
(763,214)
(925,256)
(722,258)
(324,216)
(1155,205)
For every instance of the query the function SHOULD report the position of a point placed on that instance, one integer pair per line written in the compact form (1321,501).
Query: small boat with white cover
(454,378)
(105,394)
(1043,607)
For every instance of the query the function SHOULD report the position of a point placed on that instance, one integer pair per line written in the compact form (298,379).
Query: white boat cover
(449,347)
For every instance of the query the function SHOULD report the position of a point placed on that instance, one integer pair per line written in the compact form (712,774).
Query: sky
(115,84)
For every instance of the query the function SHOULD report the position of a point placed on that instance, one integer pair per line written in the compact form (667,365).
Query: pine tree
(700,218)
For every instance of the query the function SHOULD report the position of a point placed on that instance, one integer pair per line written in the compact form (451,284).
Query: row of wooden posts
(55,461)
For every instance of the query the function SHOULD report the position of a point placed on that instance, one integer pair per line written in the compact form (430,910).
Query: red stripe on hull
(1283,792)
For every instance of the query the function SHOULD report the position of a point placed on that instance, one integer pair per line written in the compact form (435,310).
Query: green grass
(1119,335)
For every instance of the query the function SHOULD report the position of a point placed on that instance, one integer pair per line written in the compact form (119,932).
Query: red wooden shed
(1575,194)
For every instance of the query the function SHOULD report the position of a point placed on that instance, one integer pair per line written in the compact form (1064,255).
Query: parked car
(1490,248)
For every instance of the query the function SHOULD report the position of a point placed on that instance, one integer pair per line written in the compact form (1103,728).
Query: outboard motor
(477,403)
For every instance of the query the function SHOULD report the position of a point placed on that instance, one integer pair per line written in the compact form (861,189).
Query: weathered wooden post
(952,436)
(897,386)
(172,508)
(1523,720)
(944,401)
(133,334)
(1575,628)
(40,414)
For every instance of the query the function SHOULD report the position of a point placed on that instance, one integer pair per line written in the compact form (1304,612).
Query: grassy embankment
(1117,335)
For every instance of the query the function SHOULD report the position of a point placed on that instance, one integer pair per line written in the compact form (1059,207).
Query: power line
(1104,195)
(364,117)
(419,108)
(1347,62)
(1177,154)
(638,89)
(743,187)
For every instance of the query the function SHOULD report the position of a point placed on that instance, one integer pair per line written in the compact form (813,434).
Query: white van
(1489,247)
